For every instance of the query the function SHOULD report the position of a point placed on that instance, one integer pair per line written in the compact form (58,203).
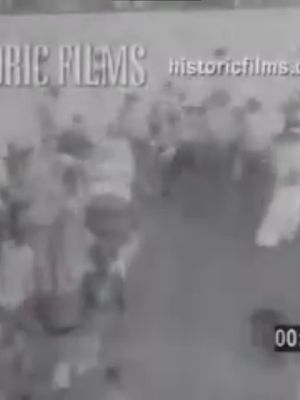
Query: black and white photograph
(149,200)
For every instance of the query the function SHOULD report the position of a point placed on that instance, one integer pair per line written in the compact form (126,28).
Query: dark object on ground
(262,324)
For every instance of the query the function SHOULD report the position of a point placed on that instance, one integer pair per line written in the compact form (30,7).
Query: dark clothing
(15,210)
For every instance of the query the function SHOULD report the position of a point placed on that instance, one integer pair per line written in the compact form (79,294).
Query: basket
(61,312)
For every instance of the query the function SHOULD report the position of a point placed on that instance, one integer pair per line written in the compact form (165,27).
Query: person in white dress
(282,218)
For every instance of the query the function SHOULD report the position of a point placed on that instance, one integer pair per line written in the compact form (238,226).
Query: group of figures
(248,153)
(253,151)
(68,231)
(70,204)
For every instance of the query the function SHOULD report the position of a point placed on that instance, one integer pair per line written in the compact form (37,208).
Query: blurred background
(87,6)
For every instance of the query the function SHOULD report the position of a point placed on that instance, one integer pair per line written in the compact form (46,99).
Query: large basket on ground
(61,312)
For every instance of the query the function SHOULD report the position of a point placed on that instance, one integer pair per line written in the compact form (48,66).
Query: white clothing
(78,355)
(286,157)
(125,257)
(261,129)
(61,379)
(168,153)
(114,171)
(282,219)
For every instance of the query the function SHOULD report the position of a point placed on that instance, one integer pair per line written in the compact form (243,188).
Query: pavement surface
(196,280)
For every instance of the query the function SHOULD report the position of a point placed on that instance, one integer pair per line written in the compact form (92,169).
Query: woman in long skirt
(282,219)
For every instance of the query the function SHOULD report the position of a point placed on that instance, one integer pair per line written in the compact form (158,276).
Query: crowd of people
(254,152)
(70,202)
(68,230)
